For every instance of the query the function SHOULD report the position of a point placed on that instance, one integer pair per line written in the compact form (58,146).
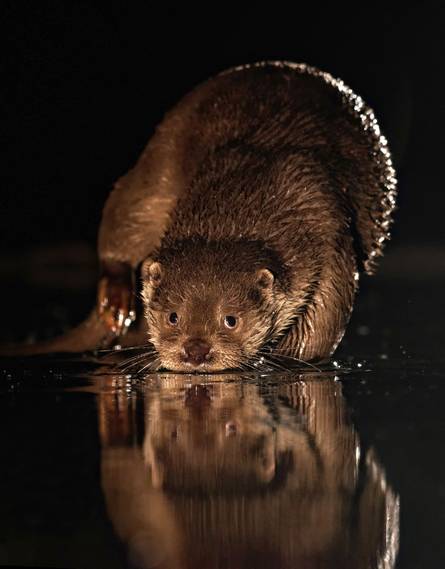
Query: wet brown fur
(282,182)
(262,167)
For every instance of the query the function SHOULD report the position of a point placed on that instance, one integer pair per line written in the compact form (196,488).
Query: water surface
(337,469)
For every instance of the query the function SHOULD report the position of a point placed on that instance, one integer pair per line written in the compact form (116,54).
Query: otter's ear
(265,278)
(151,271)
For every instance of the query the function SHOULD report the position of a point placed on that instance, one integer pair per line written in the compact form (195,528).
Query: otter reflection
(235,474)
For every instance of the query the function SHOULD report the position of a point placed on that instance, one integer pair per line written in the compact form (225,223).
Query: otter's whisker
(247,366)
(132,362)
(128,367)
(138,356)
(275,365)
(154,364)
(123,366)
(107,351)
(291,358)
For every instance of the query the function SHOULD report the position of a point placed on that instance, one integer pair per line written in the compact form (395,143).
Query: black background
(84,84)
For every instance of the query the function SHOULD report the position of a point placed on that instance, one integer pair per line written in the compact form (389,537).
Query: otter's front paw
(116,297)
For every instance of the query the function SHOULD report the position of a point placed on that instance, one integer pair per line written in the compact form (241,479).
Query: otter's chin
(211,366)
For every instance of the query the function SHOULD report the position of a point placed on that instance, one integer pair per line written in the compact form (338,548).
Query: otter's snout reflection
(226,473)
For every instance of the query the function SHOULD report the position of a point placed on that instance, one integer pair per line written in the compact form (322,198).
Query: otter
(251,212)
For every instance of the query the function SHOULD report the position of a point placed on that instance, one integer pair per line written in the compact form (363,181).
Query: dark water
(338,469)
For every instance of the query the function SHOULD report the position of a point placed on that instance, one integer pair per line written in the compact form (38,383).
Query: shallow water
(338,469)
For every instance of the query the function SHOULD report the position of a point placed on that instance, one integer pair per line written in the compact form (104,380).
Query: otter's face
(204,321)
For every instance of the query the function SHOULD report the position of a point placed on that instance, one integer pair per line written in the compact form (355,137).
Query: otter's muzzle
(196,351)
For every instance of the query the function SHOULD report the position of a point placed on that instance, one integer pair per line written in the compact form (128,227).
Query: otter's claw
(115,297)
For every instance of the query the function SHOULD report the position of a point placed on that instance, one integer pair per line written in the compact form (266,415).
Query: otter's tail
(90,334)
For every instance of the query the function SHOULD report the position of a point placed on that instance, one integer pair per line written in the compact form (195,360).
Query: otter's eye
(230,322)
(173,318)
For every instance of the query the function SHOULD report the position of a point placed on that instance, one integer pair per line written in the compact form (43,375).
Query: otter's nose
(196,351)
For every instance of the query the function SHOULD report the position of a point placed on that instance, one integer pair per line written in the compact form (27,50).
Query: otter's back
(275,108)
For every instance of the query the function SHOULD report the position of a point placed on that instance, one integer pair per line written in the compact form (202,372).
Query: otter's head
(206,309)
